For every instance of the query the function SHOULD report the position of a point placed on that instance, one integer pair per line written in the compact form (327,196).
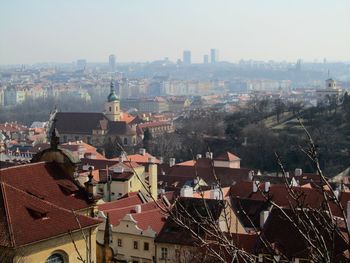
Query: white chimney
(138,209)
(298,172)
(122,157)
(251,175)
(142,151)
(186,191)
(255,186)
(348,214)
(161,160)
(198,156)
(209,155)
(263,217)
(118,169)
(171,162)
(267,187)
(215,193)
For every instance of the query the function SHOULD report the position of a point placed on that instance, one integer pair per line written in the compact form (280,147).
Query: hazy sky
(141,30)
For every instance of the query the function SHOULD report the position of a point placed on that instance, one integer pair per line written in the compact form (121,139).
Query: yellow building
(134,226)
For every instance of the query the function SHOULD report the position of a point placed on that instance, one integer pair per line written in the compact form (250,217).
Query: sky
(33,31)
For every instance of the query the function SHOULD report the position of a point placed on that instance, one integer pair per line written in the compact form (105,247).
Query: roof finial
(107,233)
(55,137)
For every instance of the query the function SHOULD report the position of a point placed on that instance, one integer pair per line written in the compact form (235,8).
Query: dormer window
(37,213)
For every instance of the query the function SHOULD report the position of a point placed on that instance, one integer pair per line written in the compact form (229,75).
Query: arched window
(110,109)
(56,258)
(125,141)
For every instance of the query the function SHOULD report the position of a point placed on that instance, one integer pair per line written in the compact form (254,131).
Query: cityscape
(148,132)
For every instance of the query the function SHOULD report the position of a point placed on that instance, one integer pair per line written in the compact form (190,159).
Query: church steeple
(112,94)
(112,105)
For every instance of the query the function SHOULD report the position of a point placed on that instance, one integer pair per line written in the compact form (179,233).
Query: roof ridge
(22,165)
(41,200)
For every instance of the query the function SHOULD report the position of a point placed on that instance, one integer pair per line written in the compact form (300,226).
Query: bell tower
(112,105)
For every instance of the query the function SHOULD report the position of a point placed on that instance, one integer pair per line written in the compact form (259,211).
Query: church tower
(112,105)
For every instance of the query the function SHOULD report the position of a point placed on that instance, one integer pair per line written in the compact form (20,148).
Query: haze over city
(175,131)
(49,31)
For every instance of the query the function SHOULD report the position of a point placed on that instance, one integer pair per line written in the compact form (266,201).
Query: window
(55,258)
(65,138)
(89,140)
(130,184)
(77,138)
(164,253)
(146,246)
(120,244)
(125,141)
(136,245)
(110,109)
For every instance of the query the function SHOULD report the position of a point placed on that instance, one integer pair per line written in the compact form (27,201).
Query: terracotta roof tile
(29,218)
(45,178)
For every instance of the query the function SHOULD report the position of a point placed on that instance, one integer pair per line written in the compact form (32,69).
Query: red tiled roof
(154,219)
(127,117)
(139,158)
(30,219)
(120,203)
(278,193)
(46,179)
(227,156)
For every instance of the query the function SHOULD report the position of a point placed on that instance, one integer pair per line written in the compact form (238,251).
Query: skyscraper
(214,55)
(205,59)
(112,63)
(186,57)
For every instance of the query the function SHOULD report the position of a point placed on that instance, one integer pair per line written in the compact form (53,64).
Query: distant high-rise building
(205,59)
(112,63)
(81,64)
(214,55)
(186,57)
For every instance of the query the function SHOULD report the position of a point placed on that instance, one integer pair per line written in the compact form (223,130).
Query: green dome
(112,97)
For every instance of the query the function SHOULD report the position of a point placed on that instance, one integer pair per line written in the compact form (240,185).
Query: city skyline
(35,31)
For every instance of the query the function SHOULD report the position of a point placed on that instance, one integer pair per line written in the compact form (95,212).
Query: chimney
(142,151)
(186,191)
(255,186)
(161,160)
(209,155)
(138,209)
(153,177)
(198,156)
(267,187)
(263,217)
(122,157)
(171,162)
(298,172)
(215,193)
